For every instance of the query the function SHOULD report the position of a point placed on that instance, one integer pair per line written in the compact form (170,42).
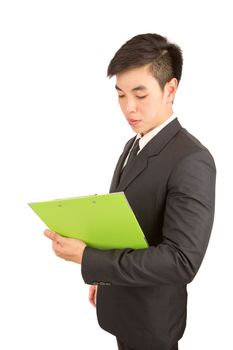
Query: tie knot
(135,148)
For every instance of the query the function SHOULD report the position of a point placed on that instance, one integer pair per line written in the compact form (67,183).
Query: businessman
(168,177)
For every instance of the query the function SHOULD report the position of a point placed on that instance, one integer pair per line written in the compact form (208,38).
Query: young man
(168,177)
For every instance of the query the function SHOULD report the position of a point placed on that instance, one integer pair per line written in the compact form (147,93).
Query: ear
(170,88)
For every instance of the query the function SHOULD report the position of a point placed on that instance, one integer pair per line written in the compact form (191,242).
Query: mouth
(133,121)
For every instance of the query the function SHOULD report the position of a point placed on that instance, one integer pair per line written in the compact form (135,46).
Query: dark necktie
(132,155)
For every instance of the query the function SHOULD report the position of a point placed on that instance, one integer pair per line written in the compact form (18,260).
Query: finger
(92,302)
(51,235)
(95,297)
(91,293)
(56,246)
(92,296)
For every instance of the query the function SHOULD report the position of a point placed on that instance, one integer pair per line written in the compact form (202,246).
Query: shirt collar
(148,136)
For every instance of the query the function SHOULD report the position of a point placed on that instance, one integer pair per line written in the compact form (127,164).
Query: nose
(131,106)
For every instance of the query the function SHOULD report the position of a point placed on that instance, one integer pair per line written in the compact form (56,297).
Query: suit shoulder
(189,139)
(187,144)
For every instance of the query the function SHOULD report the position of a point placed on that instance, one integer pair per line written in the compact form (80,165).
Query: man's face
(144,104)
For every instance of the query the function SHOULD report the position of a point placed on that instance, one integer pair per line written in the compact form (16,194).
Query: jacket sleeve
(188,220)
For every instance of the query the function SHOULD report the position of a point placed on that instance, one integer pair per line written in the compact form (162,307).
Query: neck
(159,122)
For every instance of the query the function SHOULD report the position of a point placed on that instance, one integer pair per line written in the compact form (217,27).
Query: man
(168,177)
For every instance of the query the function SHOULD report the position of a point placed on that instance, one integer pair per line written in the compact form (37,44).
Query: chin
(138,130)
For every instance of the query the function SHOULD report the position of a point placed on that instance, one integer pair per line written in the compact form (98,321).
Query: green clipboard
(101,221)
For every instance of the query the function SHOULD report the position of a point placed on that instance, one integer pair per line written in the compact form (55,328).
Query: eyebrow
(136,88)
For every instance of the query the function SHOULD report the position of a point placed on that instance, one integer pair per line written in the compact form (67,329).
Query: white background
(61,133)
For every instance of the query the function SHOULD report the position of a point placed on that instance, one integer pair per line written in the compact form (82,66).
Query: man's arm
(188,221)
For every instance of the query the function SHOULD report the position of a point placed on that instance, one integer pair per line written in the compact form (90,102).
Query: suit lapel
(139,164)
(116,175)
(152,148)
(160,140)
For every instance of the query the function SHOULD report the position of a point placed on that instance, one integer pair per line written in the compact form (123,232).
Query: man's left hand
(66,248)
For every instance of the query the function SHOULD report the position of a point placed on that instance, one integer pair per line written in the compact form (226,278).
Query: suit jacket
(142,293)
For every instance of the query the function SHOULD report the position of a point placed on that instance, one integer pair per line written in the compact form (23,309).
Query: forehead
(136,79)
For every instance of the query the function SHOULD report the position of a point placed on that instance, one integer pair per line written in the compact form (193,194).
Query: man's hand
(66,248)
(92,295)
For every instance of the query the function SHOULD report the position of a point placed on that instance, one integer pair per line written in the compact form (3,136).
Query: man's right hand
(93,294)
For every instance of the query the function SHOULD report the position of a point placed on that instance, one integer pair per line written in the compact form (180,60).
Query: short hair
(164,58)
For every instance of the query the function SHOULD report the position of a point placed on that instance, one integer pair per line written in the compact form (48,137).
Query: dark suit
(171,189)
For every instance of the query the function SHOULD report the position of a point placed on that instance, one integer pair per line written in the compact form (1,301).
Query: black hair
(165,59)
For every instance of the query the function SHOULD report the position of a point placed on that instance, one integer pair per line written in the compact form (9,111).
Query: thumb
(51,235)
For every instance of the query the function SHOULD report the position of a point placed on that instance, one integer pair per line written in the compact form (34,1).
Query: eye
(141,97)
(120,96)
